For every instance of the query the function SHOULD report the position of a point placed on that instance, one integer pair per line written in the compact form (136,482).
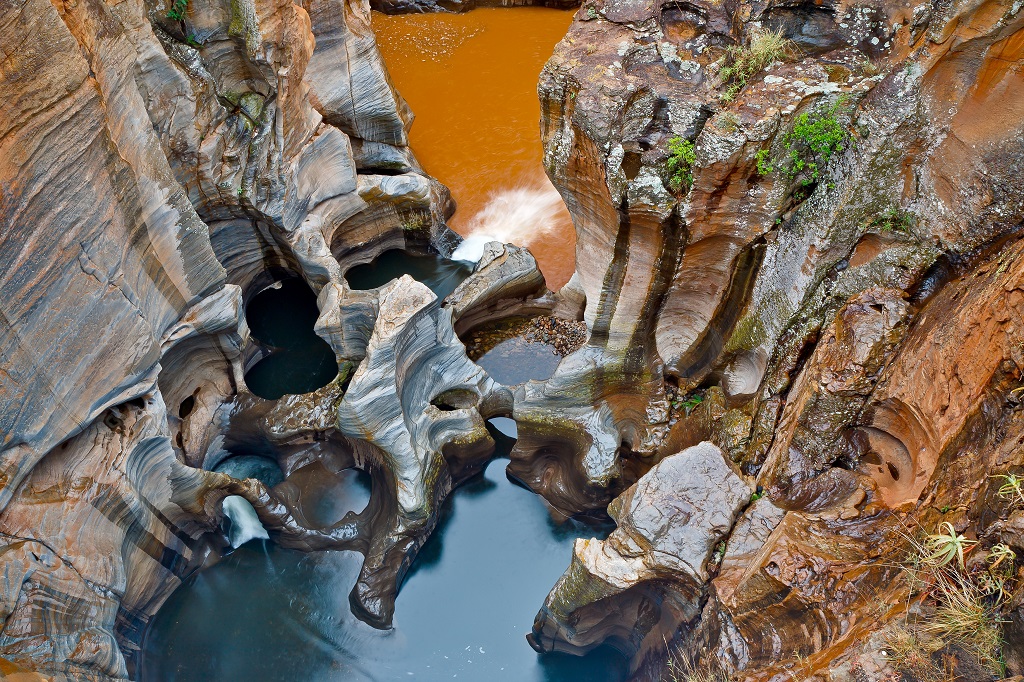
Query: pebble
(565,336)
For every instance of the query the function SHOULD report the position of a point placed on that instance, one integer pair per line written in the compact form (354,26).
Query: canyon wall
(844,326)
(793,356)
(156,173)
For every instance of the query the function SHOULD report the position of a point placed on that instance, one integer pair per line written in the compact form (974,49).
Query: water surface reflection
(269,614)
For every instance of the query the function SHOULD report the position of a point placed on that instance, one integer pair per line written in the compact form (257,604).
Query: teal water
(282,320)
(440,274)
(265,614)
(516,361)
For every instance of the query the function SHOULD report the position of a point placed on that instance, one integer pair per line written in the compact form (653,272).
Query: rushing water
(471,79)
(264,614)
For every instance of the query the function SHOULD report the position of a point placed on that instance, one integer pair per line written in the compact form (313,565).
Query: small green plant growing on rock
(177,10)
(740,64)
(893,220)
(691,402)
(1012,487)
(809,146)
(946,545)
(682,157)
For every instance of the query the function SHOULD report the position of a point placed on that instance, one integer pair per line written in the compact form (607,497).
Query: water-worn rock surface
(653,568)
(159,174)
(837,332)
(803,332)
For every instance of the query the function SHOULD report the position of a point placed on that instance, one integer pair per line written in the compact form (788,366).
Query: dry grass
(966,616)
(680,669)
(911,652)
(740,64)
(967,601)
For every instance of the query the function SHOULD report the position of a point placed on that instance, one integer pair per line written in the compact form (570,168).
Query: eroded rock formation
(850,330)
(843,338)
(651,571)
(157,175)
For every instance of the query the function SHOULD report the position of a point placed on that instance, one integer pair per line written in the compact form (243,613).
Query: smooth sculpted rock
(418,400)
(412,415)
(726,272)
(156,173)
(505,281)
(648,578)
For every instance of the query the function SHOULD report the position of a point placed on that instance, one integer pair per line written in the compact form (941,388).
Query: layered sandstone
(856,371)
(860,373)
(158,174)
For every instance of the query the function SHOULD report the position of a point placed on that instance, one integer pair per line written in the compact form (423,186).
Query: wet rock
(417,399)
(503,281)
(156,173)
(648,578)
(799,300)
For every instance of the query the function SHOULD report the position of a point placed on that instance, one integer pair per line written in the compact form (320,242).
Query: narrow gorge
(639,340)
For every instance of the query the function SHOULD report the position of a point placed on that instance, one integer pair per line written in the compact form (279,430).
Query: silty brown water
(471,80)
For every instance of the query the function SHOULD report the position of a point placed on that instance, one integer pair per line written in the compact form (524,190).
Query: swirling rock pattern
(825,325)
(156,174)
(856,341)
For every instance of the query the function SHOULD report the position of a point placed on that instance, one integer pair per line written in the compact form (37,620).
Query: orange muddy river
(471,80)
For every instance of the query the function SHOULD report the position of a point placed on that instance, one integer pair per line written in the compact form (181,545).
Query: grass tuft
(964,606)
(740,64)
(965,616)
(681,669)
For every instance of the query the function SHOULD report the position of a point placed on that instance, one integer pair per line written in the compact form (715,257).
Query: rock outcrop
(158,173)
(839,324)
(801,284)
(635,587)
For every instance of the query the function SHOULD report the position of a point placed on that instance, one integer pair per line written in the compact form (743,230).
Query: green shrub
(682,157)
(893,220)
(740,64)
(808,146)
(177,10)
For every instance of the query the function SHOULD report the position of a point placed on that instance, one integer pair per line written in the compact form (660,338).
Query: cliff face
(813,264)
(156,172)
(845,310)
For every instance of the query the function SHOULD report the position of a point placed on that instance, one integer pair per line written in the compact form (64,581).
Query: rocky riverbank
(792,344)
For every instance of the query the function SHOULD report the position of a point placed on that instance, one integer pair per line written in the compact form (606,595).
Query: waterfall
(512,216)
(244,524)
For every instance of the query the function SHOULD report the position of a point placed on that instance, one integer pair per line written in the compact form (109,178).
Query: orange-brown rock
(860,323)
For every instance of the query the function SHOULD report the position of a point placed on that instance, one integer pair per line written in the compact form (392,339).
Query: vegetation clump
(1012,487)
(740,64)
(893,220)
(965,601)
(681,669)
(682,157)
(814,139)
(177,10)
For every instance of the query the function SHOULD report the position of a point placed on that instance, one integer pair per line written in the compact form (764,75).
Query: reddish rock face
(860,323)
(829,291)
